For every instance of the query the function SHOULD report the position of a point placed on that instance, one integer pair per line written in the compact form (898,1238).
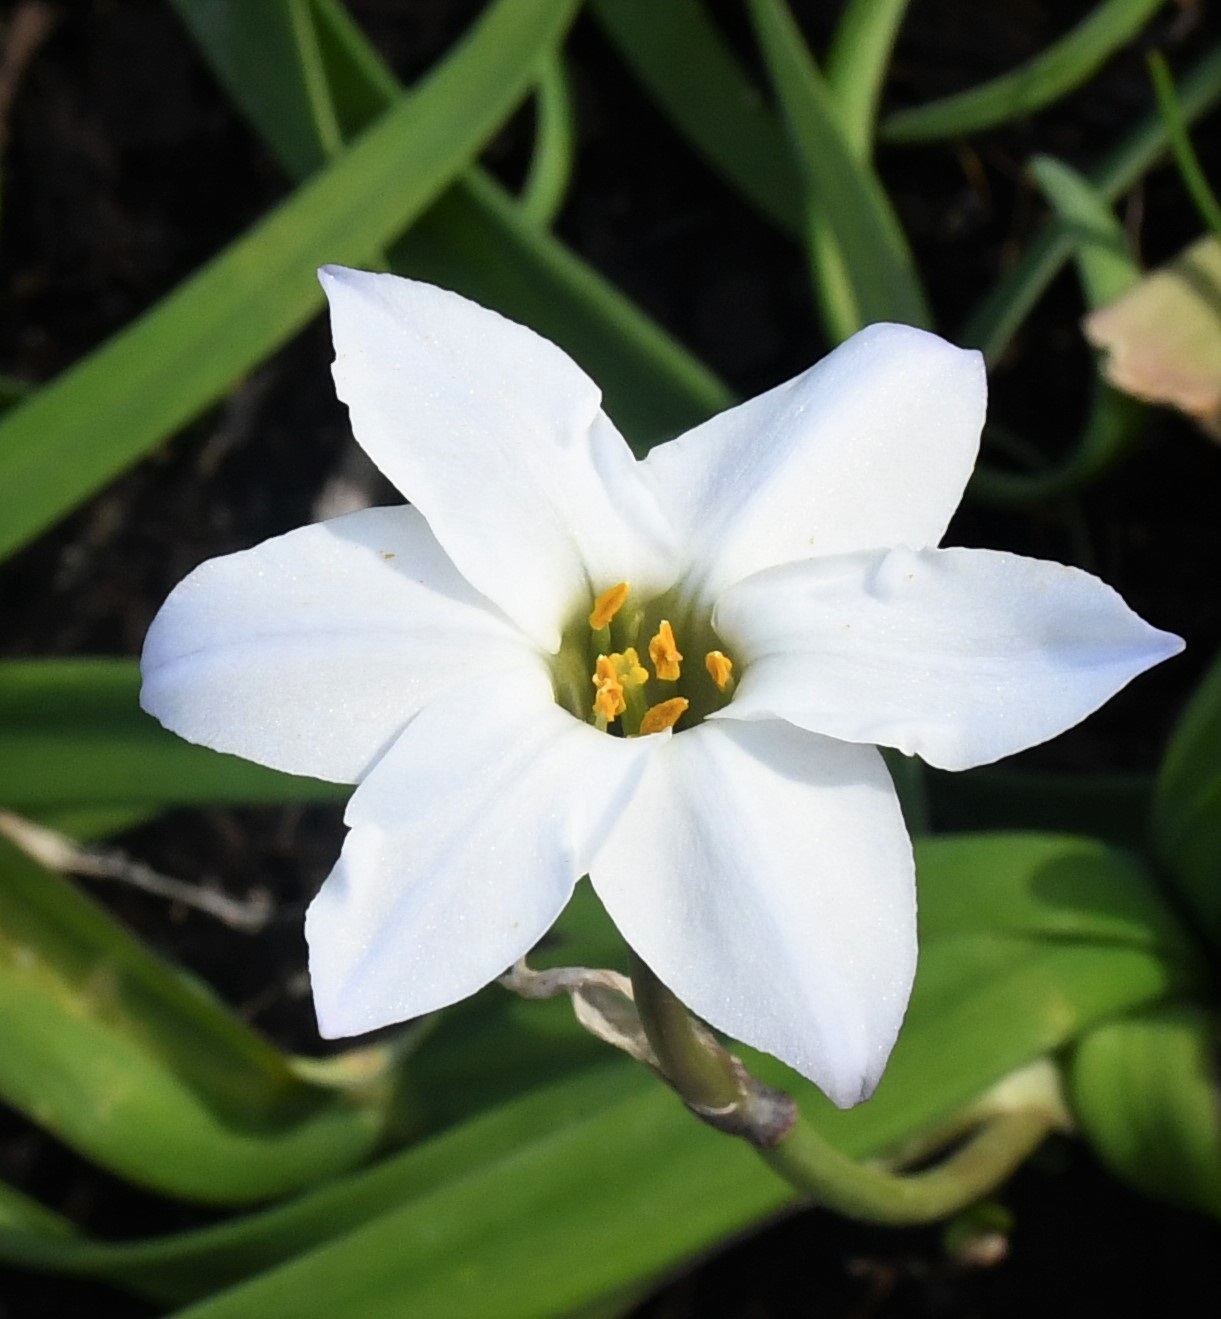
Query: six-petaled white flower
(670,675)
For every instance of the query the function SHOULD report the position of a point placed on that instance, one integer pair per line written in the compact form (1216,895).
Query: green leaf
(477,241)
(1066,64)
(1004,308)
(184,1267)
(275,73)
(1144,1092)
(857,63)
(12,391)
(1046,887)
(547,181)
(1100,246)
(689,68)
(1027,941)
(584,1210)
(160,372)
(137,1066)
(1107,270)
(1185,157)
(861,266)
(1187,804)
(73,738)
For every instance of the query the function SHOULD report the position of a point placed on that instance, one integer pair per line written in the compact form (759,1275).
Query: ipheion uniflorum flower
(672,675)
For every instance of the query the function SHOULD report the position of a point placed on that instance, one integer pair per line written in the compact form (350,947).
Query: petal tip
(335,274)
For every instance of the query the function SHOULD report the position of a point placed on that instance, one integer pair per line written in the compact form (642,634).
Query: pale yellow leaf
(1162,339)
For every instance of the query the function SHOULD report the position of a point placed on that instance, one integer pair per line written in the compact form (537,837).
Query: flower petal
(871,447)
(310,651)
(466,842)
(498,437)
(765,875)
(958,656)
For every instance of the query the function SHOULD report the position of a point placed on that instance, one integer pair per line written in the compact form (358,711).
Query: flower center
(600,676)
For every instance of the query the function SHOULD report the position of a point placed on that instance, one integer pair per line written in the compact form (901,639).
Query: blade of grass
(996,320)
(1180,144)
(73,737)
(856,66)
(1100,246)
(138,1067)
(862,269)
(274,61)
(1056,71)
(476,241)
(185,1267)
(1107,270)
(1060,933)
(693,74)
(160,372)
(546,183)
(314,79)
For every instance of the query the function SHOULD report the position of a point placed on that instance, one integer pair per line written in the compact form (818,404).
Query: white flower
(442,657)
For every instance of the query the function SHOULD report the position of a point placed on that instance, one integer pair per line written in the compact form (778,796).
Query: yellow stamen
(629,668)
(607,605)
(720,668)
(664,715)
(663,651)
(613,677)
(609,701)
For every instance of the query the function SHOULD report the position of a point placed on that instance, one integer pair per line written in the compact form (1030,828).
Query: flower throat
(622,670)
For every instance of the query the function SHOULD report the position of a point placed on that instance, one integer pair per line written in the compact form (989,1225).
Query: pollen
(629,668)
(720,669)
(664,715)
(607,605)
(664,652)
(609,700)
(613,677)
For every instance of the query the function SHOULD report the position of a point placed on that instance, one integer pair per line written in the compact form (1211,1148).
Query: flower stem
(711,1082)
(718,1089)
(858,1190)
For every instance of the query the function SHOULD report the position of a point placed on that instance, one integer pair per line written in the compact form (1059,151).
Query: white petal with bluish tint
(466,841)
(498,437)
(958,656)
(310,651)
(871,447)
(765,875)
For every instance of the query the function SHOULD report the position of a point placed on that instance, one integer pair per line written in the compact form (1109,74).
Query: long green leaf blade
(1027,941)
(1185,157)
(862,269)
(857,63)
(1187,804)
(73,736)
(1107,267)
(1144,1090)
(1002,311)
(138,1067)
(542,193)
(185,1267)
(477,241)
(1107,270)
(1066,64)
(689,68)
(164,369)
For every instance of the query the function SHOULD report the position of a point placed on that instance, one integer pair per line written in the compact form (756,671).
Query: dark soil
(125,168)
